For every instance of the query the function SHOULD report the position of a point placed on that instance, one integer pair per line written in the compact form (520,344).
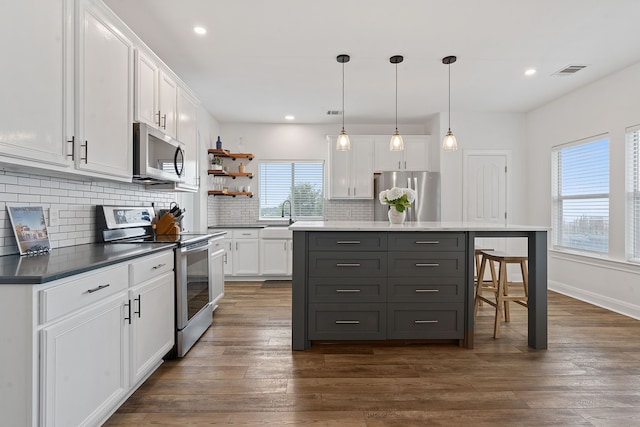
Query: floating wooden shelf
(219,172)
(232,156)
(229,193)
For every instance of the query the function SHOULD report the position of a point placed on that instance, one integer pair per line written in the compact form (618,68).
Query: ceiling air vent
(569,70)
(334,113)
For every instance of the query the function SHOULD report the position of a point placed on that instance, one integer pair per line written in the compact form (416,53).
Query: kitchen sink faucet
(282,214)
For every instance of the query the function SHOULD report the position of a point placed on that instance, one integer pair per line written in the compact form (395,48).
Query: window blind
(633,193)
(301,183)
(580,199)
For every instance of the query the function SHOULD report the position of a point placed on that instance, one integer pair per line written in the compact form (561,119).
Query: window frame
(632,194)
(557,214)
(295,215)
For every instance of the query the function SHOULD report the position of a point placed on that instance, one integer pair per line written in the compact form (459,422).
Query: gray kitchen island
(371,280)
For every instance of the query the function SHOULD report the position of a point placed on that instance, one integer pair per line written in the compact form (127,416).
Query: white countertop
(409,226)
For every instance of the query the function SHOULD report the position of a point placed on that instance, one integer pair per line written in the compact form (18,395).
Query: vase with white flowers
(398,199)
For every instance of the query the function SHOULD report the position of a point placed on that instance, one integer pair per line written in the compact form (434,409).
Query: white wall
(606,106)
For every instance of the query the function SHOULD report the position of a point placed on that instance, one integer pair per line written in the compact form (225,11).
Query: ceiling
(261,60)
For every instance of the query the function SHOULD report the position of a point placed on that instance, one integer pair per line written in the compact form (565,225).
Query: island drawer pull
(427,290)
(419,264)
(348,290)
(348,242)
(427,242)
(417,322)
(354,264)
(90,291)
(347,322)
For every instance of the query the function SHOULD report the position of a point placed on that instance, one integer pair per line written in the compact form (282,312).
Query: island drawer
(426,321)
(348,241)
(347,321)
(347,264)
(426,289)
(343,289)
(432,264)
(426,242)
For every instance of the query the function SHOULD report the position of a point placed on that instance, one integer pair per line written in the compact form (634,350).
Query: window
(633,193)
(301,183)
(580,202)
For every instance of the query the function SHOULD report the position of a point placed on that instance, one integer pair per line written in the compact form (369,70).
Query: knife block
(166,225)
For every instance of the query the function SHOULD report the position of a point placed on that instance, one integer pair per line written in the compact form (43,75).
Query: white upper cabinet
(34,40)
(146,99)
(413,157)
(104,113)
(167,103)
(351,172)
(187,132)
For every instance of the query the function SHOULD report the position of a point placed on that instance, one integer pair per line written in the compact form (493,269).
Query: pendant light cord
(396,97)
(449,65)
(343,96)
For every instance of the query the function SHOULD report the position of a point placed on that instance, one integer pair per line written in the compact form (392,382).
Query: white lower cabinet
(275,257)
(228,256)
(246,256)
(84,365)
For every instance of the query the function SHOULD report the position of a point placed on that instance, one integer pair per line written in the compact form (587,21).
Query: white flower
(394,193)
(411,194)
(383,197)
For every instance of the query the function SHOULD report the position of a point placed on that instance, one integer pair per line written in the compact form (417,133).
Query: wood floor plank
(243,372)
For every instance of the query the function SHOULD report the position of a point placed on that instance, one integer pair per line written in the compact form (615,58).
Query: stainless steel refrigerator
(426,207)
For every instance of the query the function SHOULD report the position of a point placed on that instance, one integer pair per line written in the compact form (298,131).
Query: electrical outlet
(54,216)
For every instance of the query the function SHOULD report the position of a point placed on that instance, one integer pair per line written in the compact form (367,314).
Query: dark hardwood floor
(243,372)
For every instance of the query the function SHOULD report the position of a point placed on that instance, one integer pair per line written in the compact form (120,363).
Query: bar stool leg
(500,292)
(505,290)
(478,301)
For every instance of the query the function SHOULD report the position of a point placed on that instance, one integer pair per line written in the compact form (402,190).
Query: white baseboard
(608,303)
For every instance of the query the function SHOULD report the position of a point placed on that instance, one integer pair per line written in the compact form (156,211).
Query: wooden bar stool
(500,285)
(478,259)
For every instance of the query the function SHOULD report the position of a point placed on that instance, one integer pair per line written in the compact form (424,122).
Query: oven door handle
(198,248)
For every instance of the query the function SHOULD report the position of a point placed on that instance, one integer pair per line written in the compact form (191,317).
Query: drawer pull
(417,322)
(347,322)
(155,267)
(348,242)
(427,264)
(427,242)
(427,290)
(90,291)
(347,290)
(355,264)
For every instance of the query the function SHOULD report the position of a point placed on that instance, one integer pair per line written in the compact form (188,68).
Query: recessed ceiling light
(200,30)
(289,117)
(530,72)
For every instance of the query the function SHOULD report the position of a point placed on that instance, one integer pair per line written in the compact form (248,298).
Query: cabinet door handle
(345,291)
(139,299)
(354,191)
(225,258)
(427,290)
(155,267)
(164,117)
(236,246)
(159,118)
(418,264)
(427,242)
(128,317)
(348,242)
(73,148)
(398,164)
(90,291)
(347,322)
(405,164)
(86,152)
(355,264)
(417,322)
(348,191)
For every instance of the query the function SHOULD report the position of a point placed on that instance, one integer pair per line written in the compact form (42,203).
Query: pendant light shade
(449,142)
(343,143)
(396,143)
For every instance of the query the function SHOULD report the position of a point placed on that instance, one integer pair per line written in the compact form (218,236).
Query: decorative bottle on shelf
(218,144)
(241,167)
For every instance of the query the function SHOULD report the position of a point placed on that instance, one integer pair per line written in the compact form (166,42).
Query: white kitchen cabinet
(218,251)
(275,257)
(36,41)
(153,324)
(104,93)
(351,172)
(228,255)
(167,103)
(187,133)
(146,89)
(414,157)
(246,252)
(84,364)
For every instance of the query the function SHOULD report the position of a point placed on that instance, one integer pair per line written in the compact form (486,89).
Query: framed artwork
(30,229)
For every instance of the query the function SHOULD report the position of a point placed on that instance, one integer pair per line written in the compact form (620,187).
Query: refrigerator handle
(415,188)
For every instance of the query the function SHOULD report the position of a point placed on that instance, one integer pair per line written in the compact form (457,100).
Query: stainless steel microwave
(156,157)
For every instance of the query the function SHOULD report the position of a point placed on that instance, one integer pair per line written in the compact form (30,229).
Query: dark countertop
(71,260)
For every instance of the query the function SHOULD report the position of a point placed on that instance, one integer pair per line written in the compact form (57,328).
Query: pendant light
(343,143)
(396,143)
(449,142)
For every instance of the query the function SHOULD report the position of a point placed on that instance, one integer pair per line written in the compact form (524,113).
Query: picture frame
(30,229)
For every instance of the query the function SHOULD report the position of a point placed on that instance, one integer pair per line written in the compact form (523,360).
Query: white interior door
(486,185)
